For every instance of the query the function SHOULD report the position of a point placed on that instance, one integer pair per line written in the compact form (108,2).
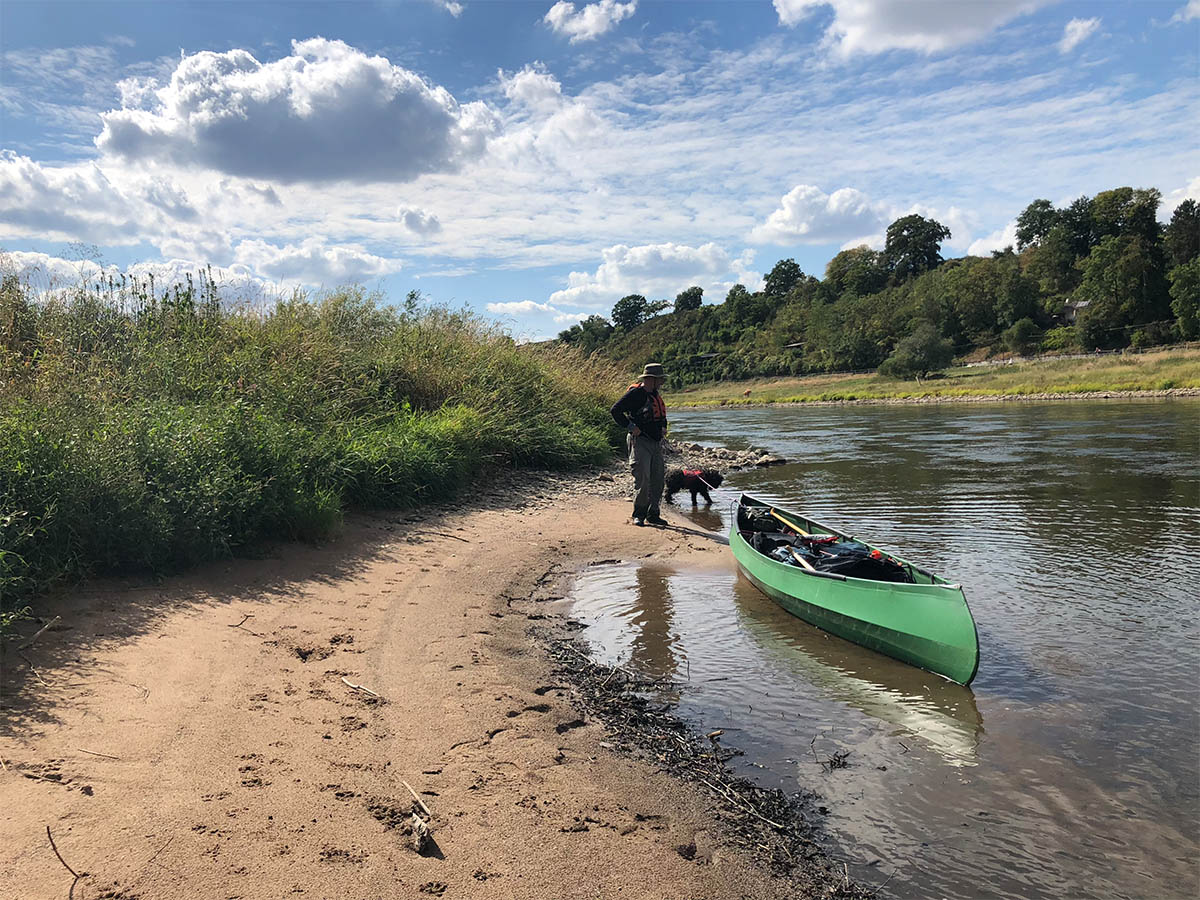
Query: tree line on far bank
(1099,273)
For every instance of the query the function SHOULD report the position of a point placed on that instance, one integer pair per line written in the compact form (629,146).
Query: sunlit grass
(1162,370)
(144,433)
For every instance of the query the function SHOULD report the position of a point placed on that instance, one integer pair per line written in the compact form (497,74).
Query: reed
(145,430)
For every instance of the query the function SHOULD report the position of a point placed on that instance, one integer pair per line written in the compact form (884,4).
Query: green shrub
(143,433)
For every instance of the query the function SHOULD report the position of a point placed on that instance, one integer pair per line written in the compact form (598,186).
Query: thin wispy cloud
(1076,32)
(682,156)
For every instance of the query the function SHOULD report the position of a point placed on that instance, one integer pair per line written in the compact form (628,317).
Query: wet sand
(248,730)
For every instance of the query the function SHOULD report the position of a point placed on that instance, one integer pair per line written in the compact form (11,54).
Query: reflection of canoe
(939,712)
(926,623)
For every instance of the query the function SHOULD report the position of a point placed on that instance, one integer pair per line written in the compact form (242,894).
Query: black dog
(698,481)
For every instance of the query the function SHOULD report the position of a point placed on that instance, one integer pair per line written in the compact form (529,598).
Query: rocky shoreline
(778,829)
(721,458)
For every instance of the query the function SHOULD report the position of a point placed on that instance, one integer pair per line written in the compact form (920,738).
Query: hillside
(1101,273)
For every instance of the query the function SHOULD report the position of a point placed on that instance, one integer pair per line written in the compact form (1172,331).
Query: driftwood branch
(420,802)
(358,687)
(444,534)
(94,753)
(29,643)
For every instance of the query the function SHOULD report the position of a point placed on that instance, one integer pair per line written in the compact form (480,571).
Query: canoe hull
(927,625)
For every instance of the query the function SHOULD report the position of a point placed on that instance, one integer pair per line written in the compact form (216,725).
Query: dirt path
(247,767)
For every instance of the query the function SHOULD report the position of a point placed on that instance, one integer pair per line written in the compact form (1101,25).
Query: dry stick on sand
(159,850)
(41,631)
(36,673)
(243,622)
(416,797)
(444,534)
(94,753)
(358,687)
(77,875)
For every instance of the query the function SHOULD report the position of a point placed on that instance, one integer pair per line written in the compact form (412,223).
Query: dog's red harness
(691,475)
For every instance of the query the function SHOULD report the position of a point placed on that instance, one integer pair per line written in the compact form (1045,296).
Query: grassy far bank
(146,433)
(1127,372)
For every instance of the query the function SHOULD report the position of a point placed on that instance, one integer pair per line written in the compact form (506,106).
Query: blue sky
(537,161)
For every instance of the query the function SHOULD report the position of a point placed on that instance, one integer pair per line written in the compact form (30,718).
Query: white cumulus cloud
(531,309)
(1076,32)
(926,26)
(1190,191)
(312,262)
(1187,13)
(45,273)
(82,202)
(807,215)
(518,307)
(997,240)
(657,271)
(591,21)
(328,112)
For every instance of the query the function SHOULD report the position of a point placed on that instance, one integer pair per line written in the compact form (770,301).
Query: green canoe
(922,620)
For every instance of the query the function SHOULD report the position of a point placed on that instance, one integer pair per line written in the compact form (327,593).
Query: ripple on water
(1069,768)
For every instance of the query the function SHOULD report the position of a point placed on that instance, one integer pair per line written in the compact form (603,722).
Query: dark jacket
(645,410)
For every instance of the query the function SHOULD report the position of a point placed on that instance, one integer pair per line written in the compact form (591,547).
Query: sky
(537,161)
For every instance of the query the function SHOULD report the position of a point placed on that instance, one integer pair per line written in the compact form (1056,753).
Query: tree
(1183,234)
(589,334)
(1080,227)
(913,246)
(745,308)
(1052,264)
(1021,337)
(633,309)
(782,278)
(1185,298)
(629,312)
(1123,285)
(689,299)
(1035,223)
(859,269)
(920,353)
(1127,212)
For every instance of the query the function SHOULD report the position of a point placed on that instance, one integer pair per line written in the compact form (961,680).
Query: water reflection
(939,712)
(653,643)
(709,518)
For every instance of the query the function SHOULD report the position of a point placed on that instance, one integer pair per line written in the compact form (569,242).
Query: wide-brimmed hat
(653,370)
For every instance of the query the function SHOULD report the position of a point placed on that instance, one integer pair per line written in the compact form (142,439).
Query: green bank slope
(1165,370)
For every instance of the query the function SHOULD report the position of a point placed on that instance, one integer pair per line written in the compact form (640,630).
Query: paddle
(792,525)
(800,559)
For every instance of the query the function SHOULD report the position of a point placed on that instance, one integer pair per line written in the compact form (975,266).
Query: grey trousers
(649,474)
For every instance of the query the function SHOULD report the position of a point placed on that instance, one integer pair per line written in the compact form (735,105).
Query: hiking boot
(656,519)
(638,522)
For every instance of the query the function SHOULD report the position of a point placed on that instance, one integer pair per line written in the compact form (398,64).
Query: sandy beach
(251,729)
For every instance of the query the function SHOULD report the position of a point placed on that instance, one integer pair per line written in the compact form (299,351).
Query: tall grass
(143,431)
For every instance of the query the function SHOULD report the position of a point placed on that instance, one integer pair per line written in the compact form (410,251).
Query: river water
(1071,766)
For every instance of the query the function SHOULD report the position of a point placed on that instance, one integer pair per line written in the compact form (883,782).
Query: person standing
(644,415)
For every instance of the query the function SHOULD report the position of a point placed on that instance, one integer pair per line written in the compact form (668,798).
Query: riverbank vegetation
(1175,369)
(1100,273)
(144,431)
